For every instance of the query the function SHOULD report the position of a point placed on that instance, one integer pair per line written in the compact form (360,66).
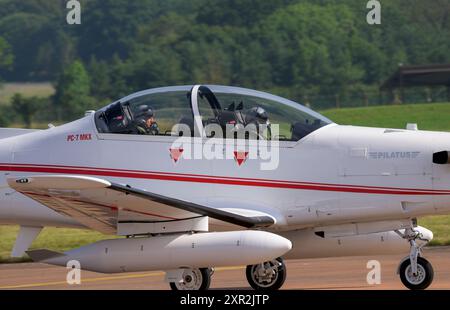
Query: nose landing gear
(416,273)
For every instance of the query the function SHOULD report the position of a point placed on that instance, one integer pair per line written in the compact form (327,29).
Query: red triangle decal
(175,154)
(240,157)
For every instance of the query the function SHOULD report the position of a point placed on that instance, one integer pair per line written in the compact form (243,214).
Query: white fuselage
(337,174)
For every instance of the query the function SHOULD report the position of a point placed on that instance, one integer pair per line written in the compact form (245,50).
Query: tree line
(307,50)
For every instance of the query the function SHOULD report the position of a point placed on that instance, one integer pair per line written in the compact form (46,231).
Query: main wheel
(419,281)
(193,280)
(267,276)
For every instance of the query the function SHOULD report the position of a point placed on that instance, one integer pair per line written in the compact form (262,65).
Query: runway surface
(329,273)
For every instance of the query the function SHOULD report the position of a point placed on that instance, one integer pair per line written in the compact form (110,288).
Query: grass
(440,226)
(435,116)
(429,116)
(41,90)
(56,239)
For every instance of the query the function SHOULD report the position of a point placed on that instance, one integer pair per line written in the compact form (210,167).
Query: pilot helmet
(257,115)
(144,112)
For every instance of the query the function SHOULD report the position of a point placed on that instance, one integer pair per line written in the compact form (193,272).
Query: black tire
(273,286)
(205,279)
(425,269)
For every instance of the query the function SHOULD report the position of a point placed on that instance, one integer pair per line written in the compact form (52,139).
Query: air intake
(441,158)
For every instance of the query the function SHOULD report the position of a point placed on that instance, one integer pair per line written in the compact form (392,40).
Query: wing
(102,205)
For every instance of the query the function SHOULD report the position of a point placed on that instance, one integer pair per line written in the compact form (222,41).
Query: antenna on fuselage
(412,126)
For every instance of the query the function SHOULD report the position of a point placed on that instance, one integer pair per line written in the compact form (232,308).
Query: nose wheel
(267,276)
(416,273)
(420,279)
(193,280)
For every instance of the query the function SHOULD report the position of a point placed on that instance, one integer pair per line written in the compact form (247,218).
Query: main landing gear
(416,273)
(194,280)
(267,276)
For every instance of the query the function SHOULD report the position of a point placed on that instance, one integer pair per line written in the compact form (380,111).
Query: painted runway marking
(135,276)
(93,280)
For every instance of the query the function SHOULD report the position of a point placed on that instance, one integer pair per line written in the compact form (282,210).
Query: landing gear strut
(194,280)
(267,276)
(416,273)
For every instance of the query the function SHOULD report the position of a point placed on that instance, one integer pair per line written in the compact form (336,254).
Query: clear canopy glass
(158,111)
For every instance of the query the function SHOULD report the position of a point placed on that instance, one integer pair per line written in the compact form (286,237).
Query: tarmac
(307,274)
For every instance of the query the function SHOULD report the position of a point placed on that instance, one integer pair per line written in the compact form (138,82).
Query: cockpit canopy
(220,107)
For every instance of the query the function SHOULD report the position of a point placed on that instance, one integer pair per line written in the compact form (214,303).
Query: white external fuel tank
(306,244)
(173,251)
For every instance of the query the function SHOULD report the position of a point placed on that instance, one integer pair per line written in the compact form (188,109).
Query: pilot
(145,123)
(257,117)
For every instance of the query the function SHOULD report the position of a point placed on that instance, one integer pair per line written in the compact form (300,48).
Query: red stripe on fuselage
(195,178)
